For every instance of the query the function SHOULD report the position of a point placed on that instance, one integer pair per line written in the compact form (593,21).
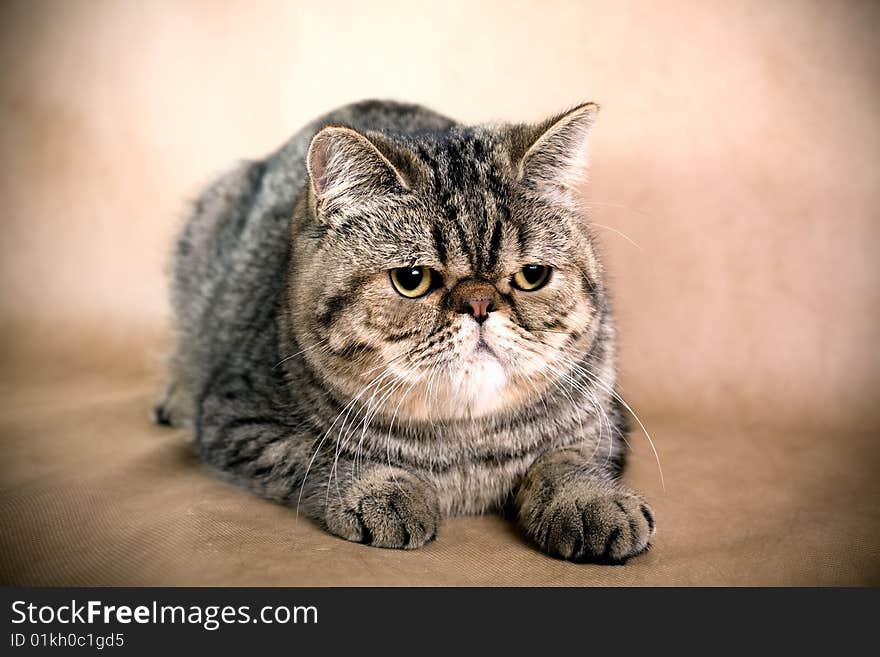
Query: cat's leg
(162,414)
(245,432)
(572,506)
(199,264)
(174,407)
(384,506)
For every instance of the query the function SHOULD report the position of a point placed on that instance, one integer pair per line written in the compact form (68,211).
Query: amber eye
(531,277)
(413,282)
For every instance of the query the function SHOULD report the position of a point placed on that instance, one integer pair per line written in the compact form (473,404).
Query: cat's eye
(414,282)
(531,277)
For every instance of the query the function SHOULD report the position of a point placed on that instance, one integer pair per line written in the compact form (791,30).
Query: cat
(396,318)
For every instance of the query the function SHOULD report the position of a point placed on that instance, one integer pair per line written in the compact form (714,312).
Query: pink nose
(481,308)
(474,297)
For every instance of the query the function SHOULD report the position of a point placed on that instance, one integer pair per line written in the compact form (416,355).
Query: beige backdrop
(734,183)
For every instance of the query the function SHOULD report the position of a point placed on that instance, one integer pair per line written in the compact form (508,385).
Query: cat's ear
(347,170)
(554,154)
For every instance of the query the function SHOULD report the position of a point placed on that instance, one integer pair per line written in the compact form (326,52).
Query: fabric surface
(733,189)
(93,494)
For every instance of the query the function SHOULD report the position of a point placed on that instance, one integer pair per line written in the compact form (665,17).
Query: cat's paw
(586,524)
(174,408)
(385,508)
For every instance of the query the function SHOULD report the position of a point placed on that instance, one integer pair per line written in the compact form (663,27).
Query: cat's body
(315,377)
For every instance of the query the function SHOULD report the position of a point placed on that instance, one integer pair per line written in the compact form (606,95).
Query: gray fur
(308,379)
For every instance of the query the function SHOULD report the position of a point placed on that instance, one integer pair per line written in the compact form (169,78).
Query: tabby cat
(397,317)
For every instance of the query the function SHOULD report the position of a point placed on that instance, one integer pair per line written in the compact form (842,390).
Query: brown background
(738,147)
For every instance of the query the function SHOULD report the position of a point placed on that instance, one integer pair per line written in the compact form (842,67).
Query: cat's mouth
(479,357)
(482,347)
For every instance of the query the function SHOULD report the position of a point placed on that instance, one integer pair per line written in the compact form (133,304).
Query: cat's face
(450,275)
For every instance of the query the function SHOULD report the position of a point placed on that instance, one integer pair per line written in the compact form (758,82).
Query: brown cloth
(93,494)
(738,148)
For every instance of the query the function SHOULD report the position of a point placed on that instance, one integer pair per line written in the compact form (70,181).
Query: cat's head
(446,274)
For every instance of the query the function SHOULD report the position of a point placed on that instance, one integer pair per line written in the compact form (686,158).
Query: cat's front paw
(583,523)
(385,508)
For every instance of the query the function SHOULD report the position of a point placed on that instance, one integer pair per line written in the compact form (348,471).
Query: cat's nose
(479,308)
(475,298)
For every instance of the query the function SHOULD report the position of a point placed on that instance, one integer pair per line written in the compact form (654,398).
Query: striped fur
(308,379)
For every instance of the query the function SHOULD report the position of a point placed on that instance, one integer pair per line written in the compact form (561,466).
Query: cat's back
(287,165)
(380,115)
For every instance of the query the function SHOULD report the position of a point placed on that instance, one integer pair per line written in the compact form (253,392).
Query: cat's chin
(478,387)
(482,380)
